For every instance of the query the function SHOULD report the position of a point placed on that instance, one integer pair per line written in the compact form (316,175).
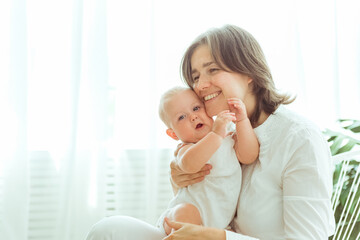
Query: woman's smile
(211,96)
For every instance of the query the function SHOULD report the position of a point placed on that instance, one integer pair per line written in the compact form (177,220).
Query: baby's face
(187,117)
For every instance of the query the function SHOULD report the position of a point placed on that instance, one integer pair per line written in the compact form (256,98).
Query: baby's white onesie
(217,195)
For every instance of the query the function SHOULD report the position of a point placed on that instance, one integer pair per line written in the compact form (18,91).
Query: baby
(213,201)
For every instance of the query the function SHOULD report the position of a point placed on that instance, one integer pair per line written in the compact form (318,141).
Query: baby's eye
(181,117)
(196,108)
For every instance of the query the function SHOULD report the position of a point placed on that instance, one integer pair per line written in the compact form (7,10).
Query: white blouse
(286,193)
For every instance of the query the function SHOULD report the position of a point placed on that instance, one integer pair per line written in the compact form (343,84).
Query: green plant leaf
(332,138)
(336,144)
(352,208)
(340,142)
(343,196)
(353,126)
(347,147)
(336,174)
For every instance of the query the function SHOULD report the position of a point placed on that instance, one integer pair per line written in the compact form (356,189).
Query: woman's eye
(213,70)
(196,78)
(196,108)
(181,117)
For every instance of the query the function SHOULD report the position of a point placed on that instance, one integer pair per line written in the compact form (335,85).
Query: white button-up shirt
(286,193)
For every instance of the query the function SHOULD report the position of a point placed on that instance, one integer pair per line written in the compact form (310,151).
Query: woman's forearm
(174,187)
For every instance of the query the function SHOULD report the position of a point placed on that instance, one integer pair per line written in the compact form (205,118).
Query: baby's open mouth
(199,125)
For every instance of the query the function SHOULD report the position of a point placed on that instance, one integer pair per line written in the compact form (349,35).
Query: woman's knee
(124,228)
(110,227)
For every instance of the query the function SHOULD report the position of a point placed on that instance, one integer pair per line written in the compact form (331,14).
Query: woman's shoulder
(284,124)
(294,121)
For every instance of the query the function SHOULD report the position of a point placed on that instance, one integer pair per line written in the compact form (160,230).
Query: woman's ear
(171,134)
(250,84)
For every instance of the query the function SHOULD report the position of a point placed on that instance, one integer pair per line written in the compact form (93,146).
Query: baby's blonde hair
(165,99)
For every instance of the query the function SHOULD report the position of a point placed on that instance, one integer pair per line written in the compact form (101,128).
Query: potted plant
(342,141)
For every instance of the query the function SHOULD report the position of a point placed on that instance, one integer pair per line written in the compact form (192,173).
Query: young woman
(286,193)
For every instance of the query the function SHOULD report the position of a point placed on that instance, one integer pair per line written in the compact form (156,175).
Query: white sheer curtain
(80,82)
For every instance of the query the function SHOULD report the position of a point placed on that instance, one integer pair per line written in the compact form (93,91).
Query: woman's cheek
(233,85)
(234,90)
(216,106)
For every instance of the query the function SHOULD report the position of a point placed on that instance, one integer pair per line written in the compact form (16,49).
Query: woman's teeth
(211,96)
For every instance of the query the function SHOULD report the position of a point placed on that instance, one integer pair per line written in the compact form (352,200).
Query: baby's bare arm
(192,157)
(246,143)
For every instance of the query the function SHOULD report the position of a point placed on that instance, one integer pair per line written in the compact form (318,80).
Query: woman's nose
(202,83)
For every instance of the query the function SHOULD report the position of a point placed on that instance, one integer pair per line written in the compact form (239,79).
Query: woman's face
(215,85)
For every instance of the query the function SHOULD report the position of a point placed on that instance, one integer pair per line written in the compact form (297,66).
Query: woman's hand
(187,231)
(180,179)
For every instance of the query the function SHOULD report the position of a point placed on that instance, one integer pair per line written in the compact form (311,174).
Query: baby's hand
(238,107)
(221,121)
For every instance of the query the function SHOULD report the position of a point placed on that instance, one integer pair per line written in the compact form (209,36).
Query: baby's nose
(194,117)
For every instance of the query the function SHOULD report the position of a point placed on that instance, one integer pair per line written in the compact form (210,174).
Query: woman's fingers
(176,171)
(182,179)
(206,167)
(173,224)
(185,180)
(193,181)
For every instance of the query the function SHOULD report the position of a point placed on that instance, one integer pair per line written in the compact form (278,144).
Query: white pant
(124,228)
